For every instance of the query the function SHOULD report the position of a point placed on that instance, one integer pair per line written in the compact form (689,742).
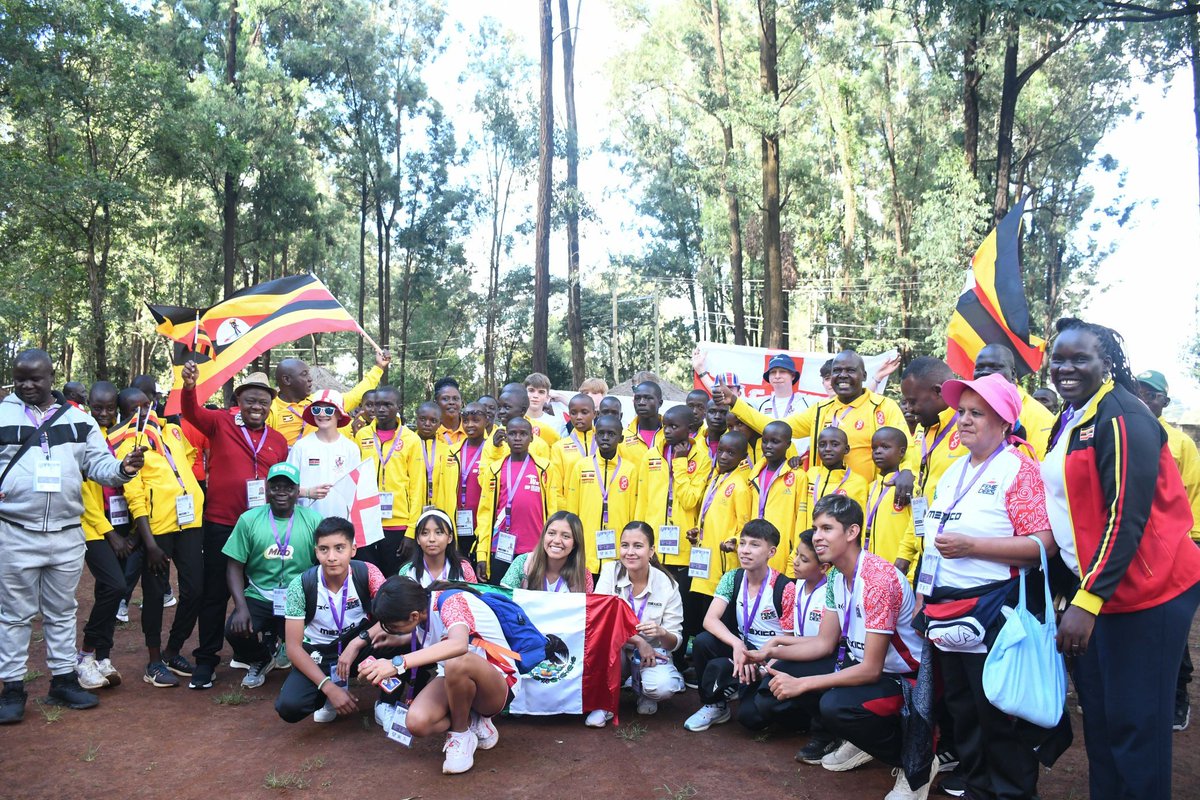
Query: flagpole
(371,341)
(196,332)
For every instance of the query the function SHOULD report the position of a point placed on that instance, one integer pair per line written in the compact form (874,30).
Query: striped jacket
(1129,511)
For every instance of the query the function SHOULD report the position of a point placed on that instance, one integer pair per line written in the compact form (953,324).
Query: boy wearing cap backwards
(242,449)
(268,547)
(325,456)
(1152,389)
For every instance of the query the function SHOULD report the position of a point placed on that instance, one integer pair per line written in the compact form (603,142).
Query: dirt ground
(143,742)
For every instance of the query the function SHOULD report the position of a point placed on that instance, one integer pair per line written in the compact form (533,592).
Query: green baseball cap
(1155,380)
(285,470)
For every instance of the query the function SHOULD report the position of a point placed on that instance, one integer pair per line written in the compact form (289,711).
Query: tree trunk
(362,263)
(1009,89)
(728,186)
(1193,33)
(229,212)
(541,258)
(971,77)
(574,300)
(773,305)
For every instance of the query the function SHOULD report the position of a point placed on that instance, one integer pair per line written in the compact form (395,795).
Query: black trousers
(214,595)
(266,631)
(110,589)
(1126,683)
(185,549)
(388,552)
(706,649)
(760,709)
(995,759)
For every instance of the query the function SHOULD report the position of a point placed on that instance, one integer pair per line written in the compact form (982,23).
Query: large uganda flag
(992,308)
(594,627)
(225,338)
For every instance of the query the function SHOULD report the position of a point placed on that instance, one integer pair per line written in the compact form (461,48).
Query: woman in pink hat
(325,456)
(984,515)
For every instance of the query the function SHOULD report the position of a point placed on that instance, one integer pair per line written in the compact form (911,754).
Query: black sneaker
(66,691)
(159,676)
(1183,713)
(179,665)
(947,761)
(12,702)
(689,678)
(815,750)
(953,785)
(202,677)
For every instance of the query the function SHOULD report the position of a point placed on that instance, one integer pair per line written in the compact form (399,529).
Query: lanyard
(557,585)
(841,656)
(766,490)
(583,450)
(712,451)
(871,515)
(282,545)
(430,456)
(445,568)
(1064,426)
(605,485)
(300,416)
(817,495)
(639,609)
(511,487)
(669,454)
(788,412)
(339,618)
(171,460)
(383,460)
(803,615)
(254,450)
(711,495)
(37,423)
(959,492)
(836,422)
(752,614)
(927,449)
(465,470)
(419,634)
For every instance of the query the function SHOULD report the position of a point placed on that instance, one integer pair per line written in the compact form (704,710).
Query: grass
(632,731)
(33,675)
(762,737)
(51,713)
(38,636)
(297,779)
(90,755)
(235,697)
(682,793)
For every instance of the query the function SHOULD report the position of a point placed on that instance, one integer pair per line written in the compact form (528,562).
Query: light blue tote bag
(1024,674)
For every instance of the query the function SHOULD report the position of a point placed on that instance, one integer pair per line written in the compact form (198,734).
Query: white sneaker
(109,672)
(902,791)
(383,714)
(597,719)
(845,758)
(646,706)
(326,713)
(123,612)
(485,731)
(235,664)
(707,716)
(460,752)
(256,676)
(89,673)
(169,598)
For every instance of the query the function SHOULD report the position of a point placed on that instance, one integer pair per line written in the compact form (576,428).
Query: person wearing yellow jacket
(671,483)
(460,484)
(429,483)
(105,549)
(779,494)
(854,409)
(295,389)
(833,475)
(1035,420)
(395,453)
(602,492)
(515,501)
(513,402)
(645,432)
(579,442)
(888,530)
(166,505)
(726,507)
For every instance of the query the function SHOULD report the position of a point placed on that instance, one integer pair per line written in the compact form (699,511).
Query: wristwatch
(365,635)
(398,663)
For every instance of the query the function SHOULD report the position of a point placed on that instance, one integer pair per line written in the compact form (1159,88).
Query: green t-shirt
(252,542)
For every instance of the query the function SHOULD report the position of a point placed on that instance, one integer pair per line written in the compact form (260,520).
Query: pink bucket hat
(326,397)
(997,392)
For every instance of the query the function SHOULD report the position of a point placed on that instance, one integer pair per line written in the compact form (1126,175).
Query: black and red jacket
(1129,511)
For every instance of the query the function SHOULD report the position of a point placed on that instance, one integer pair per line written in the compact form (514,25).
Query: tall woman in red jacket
(1121,518)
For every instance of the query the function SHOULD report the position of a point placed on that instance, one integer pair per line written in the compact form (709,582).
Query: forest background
(810,174)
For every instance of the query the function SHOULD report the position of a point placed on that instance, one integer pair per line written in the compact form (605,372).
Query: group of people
(802,564)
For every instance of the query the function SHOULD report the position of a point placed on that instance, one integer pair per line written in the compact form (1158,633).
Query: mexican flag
(594,627)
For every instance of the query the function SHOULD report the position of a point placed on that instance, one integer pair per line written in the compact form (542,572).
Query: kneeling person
(328,607)
(269,546)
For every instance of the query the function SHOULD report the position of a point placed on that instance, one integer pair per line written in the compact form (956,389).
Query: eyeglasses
(389,630)
(324,411)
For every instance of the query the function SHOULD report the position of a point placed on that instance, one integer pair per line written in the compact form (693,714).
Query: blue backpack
(521,635)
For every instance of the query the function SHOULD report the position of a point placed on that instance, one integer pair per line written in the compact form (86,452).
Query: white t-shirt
(1007,499)
(326,462)
(798,403)
(881,601)
(659,602)
(811,607)
(764,624)
(1054,474)
(322,629)
(464,608)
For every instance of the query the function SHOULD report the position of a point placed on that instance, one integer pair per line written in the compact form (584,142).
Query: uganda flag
(992,307)
(225,338)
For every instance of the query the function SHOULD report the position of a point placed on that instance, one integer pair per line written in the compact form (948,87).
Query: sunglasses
(324,411)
